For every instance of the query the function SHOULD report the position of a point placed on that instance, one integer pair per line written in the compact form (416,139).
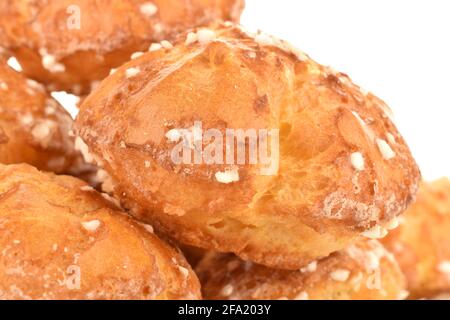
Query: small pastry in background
(364,271)
(63,240)
(422,242)
(72,44)
(34,128)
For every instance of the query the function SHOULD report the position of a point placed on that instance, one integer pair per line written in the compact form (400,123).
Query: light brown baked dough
(364,271)
(34,128)
(63,240)
(71,44)
(322,199)
(422,242)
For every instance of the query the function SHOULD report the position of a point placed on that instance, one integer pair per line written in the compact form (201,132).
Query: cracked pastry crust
(344,173)
(34,128)
(363,271)
(421,242)
(53,48)
(63,240)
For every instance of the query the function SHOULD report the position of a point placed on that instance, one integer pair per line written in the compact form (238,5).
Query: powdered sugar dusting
(340,275)
(132,72)
(148,9)
(91,225)
(205,36)
(155,47)
(227,176)
(50,63)
(377,232)
(312,267)
(227,290)
(385,149)
(444,267)
(336,204)
(357,161)
(302,296)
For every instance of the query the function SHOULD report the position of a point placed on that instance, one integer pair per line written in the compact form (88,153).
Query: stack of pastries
(328,223)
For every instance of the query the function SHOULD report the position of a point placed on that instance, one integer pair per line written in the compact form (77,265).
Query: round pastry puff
(344,169)
(34,128)
(63,240)
(364,271)
(422,242)
(71,44)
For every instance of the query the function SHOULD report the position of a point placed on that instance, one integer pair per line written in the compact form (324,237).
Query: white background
(397,49)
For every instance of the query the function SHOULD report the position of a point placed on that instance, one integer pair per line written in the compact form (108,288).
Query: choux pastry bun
(342,171)
(364,271)
(422,242)
(63,240)
(34,128)
(72,44)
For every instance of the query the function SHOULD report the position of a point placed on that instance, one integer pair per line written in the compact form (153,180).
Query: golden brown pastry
(63,240)
(71,44)
(422,242)
(364,271)
(34,128)
(344,171)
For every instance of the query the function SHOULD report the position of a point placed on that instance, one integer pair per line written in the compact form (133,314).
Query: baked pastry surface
(63,240)
(364,271)
(345,171)
(72,44)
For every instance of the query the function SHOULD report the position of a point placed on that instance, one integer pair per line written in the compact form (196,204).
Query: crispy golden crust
(318,202)
(365,271)
(34,128)
(63,240)
(78,55)
(421,243)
